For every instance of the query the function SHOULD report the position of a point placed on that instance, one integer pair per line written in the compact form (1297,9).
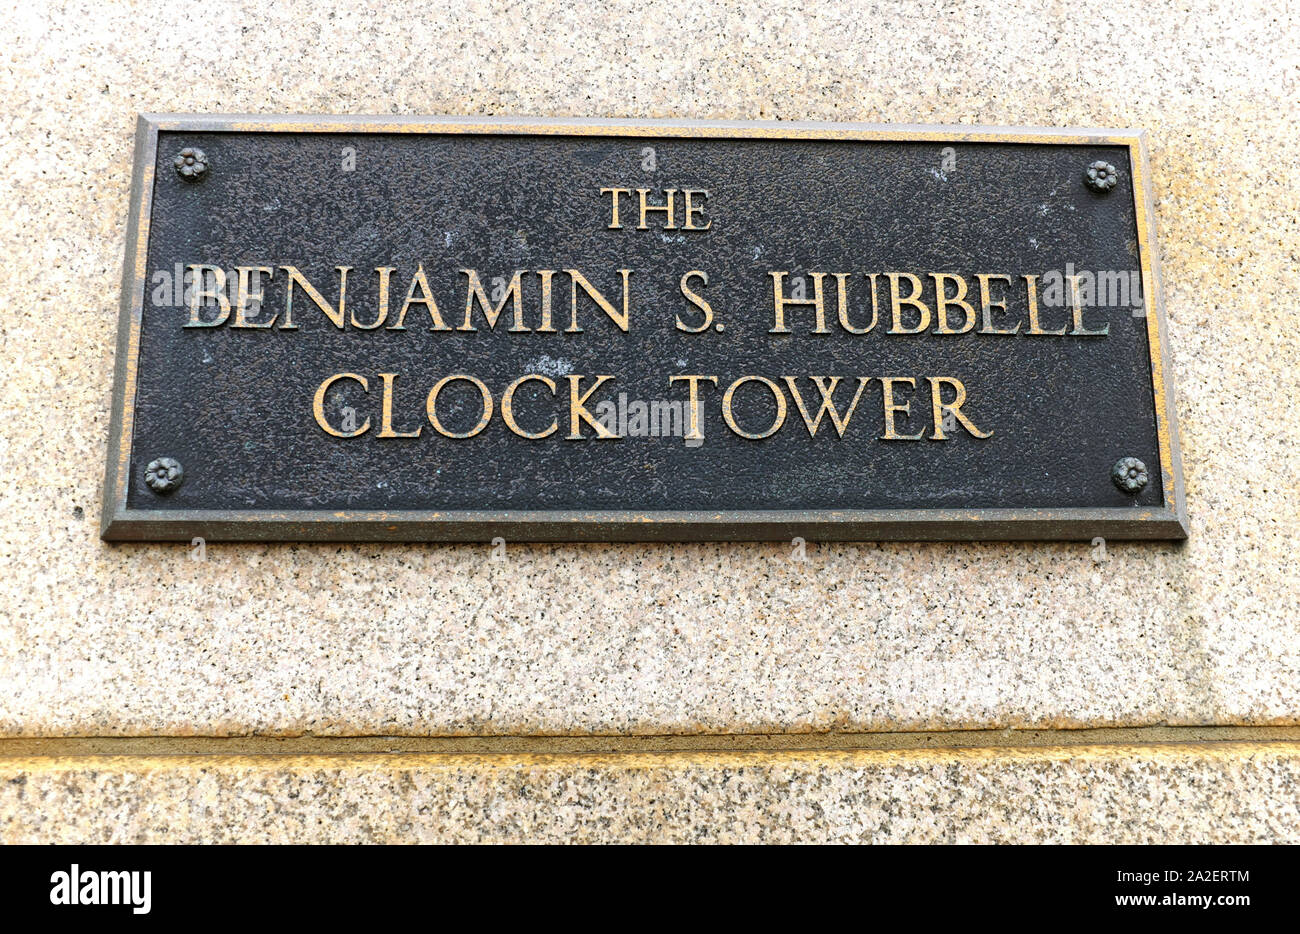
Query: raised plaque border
(120,523)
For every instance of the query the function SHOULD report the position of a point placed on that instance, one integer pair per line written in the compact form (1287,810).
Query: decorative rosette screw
(1129,474)
(1101,176)
(191,164)
(164,474)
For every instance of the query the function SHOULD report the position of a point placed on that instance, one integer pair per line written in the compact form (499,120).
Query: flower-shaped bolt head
(164,474)
(191,164)
(1129,474)
(1101,176)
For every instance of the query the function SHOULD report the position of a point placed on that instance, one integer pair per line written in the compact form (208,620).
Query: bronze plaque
(459,329)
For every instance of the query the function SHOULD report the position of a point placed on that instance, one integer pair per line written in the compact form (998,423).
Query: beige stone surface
(98,639)
(1232,794)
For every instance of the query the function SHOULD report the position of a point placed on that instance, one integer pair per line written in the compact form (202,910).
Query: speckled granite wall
(1116,795)
(99,640)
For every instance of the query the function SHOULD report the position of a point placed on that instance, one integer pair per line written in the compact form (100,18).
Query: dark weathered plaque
(454,329)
